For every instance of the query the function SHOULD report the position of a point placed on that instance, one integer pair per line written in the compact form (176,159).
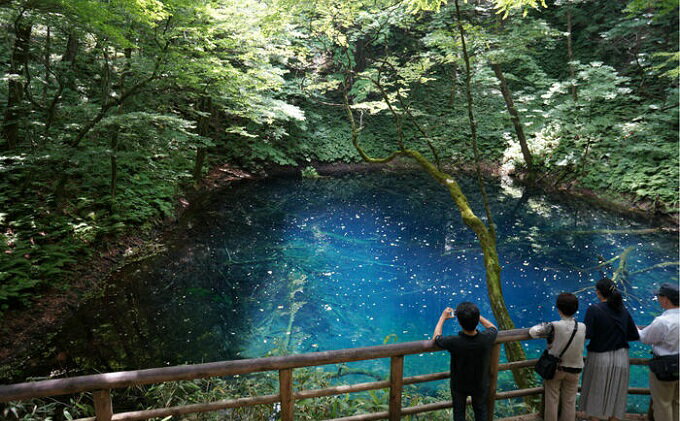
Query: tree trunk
(454,82)
(360,59)
(203,128)
(114,165)
(46,63)
(486,235)
(570,57)
(116,129)
(201,155)
(69,55)
(15,87)
(514,116)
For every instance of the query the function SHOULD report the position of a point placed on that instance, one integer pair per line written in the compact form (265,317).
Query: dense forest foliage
(111,108)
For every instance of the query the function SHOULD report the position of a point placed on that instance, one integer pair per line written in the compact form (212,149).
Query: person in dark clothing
(609,327)
(470,353)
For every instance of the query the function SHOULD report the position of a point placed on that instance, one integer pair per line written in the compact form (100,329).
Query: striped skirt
(605,384)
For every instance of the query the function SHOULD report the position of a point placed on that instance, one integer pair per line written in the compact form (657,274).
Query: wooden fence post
(103,408)
(286,393)
(541,412)
(494,358)
(396,386)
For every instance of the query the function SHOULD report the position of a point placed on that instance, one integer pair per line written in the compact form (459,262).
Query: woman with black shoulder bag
(566,338)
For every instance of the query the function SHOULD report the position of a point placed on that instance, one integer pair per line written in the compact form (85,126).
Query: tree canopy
(111,108)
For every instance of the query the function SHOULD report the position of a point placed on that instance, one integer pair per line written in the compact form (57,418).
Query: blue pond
(294,265)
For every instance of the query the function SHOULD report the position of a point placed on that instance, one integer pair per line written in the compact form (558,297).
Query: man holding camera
(470,353)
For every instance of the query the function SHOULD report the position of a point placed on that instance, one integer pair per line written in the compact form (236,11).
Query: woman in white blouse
(560,391)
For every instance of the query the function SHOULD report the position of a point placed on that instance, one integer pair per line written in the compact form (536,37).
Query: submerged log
(621,232)
(656,266)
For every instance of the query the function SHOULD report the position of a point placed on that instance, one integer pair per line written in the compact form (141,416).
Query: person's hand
(448,313)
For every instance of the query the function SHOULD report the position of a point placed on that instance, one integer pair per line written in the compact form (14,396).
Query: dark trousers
(478,405)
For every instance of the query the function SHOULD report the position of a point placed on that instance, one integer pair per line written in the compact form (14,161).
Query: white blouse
(562,330)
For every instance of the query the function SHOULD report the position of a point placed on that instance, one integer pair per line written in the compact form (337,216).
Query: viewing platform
(101,384)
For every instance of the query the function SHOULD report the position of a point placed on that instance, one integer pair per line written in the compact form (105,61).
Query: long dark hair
(608,290)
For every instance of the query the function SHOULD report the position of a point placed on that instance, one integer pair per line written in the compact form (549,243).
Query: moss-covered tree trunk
(487,241)
(486,234)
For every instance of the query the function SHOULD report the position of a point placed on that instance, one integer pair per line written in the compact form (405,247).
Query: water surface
(290,265)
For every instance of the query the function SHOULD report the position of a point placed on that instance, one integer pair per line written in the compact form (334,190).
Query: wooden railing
(102,384)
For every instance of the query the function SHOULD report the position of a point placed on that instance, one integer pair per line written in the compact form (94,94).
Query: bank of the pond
(624,204)
(24,329)
(27,329)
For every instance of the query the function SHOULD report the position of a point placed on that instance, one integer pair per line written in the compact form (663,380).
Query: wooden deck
(100,385)
(537,417)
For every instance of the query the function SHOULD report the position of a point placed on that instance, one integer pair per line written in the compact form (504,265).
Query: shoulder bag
(547,364)
(665,368)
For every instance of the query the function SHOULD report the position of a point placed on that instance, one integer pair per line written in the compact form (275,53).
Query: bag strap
(573,333)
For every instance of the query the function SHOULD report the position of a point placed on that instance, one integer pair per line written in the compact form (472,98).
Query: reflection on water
(289,265)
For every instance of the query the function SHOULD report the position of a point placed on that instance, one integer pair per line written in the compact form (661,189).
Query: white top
(662,333)
(563,329)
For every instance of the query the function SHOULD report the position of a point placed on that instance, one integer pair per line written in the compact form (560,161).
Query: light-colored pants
(560,391)
(665,397)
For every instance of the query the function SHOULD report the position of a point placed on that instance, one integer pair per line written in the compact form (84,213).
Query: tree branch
(107,105)
(404,106)
(355,135)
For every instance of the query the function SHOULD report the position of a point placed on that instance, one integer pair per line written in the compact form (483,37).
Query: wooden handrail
(101,384)
(121,379)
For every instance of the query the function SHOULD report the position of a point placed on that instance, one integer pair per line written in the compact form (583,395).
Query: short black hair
(670,291)
(567,303)
(467,314)
(673,300)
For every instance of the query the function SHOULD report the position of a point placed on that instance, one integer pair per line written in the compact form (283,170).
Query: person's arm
(589,321)
(653,334)
(446,314)
(541,330)
(487,324)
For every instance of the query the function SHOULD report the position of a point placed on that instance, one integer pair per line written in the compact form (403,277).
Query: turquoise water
(290,265)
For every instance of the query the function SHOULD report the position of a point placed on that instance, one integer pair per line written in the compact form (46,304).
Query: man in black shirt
(470,351)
